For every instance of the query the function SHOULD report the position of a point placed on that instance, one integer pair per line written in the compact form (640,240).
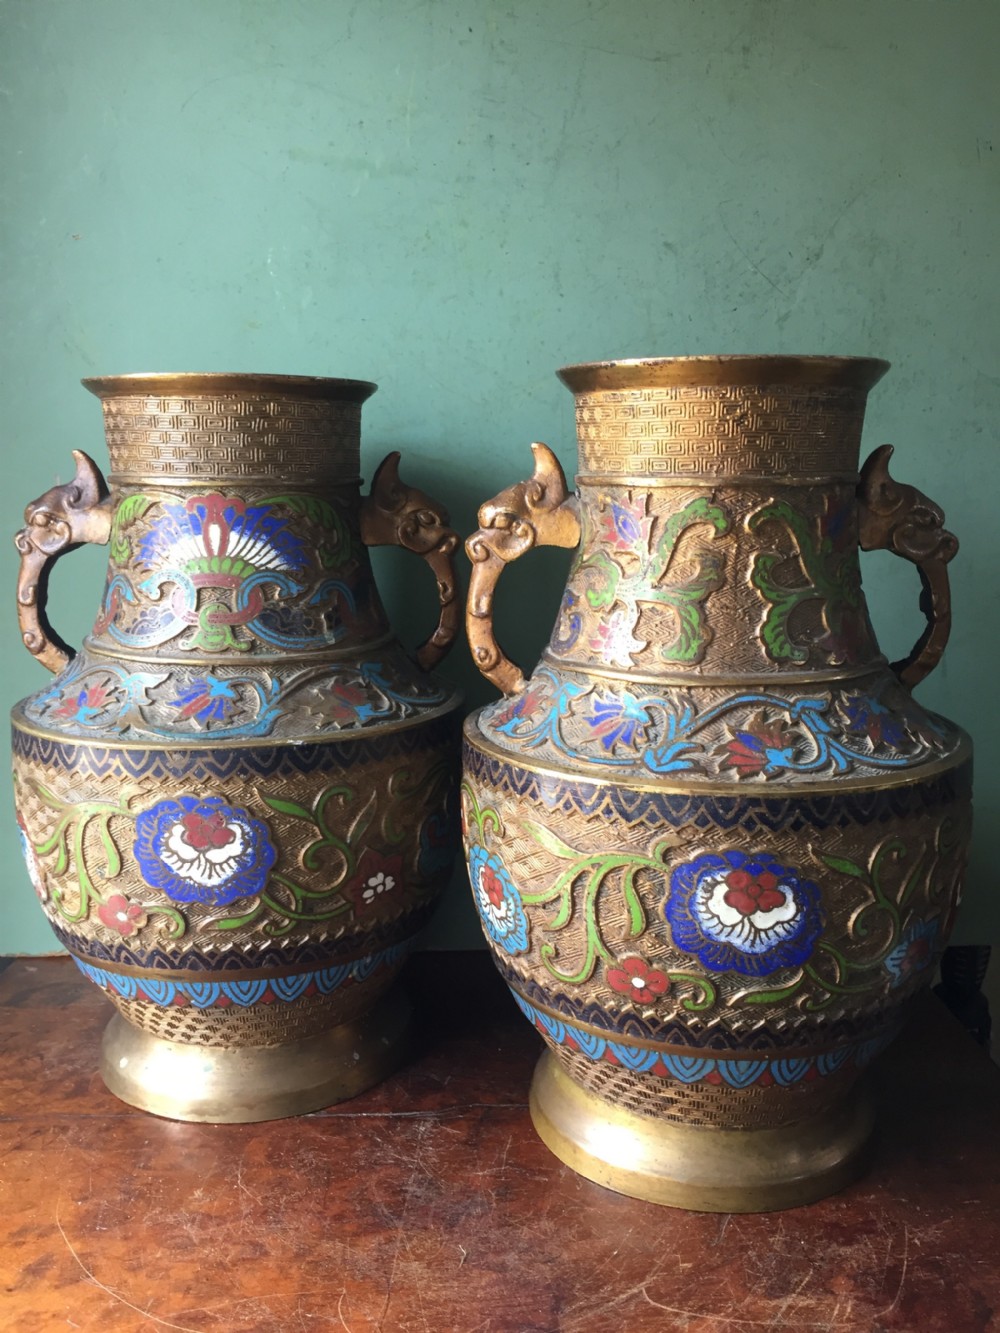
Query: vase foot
(239,1084)
(702,1169)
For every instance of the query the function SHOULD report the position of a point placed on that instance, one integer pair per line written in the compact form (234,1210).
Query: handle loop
(536,512)
(899,518)
(394,514)
(62,519)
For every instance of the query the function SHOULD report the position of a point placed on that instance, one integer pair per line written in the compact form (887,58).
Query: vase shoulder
(758,737)
(101,700)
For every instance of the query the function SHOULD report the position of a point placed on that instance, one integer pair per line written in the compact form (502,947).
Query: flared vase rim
(161,384)
(734,370)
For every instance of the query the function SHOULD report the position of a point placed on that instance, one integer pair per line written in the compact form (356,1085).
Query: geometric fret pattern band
(718,430)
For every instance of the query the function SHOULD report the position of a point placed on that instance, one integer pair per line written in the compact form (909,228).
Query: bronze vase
(715,843)
(237,800)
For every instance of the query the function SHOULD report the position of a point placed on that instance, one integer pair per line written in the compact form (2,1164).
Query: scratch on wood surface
(245,1188)
(612,1258)
(778,1320)
(264,1301)
(717,1320)
(902,1275)
(584,1309)
(402,1240)
(340,1311)
(721,1320)
(146,1314)
(442,1113)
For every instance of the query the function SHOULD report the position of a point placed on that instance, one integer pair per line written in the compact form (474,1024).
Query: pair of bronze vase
(714,842)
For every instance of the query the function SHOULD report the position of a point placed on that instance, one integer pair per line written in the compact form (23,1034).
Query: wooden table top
(428,1205)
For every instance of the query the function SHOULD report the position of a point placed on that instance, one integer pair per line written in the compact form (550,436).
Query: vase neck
(719,533)
(720,433)
(198,429)
(235,527)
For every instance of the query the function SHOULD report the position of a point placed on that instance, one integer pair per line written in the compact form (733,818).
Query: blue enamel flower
(618,718)
(913,953)
(202,851)
(740,913)
(223,529)
(870,717)
(206,698)
(498,901)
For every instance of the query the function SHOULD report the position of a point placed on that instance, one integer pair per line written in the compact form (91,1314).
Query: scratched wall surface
(454,199)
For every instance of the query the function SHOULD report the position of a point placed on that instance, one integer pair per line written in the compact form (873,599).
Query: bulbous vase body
(715,842)
(236,800)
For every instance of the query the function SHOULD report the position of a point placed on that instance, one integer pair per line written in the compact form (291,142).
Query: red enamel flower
(918,953)
(522,706)
(344,701)
(750,894)
(492,885)
(89,702)
(121,915)
(377,883)
(203,832)
(761,747)
(626,526)
(636,979)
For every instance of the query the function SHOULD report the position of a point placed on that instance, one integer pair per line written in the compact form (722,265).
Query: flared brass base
(706,1170)
(234,1085)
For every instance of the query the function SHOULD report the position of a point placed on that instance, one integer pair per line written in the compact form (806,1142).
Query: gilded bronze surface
(715,843)
(706,1170)
(236,801)
(243,1082)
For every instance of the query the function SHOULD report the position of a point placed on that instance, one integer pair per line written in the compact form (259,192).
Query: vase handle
(536,512)
(394,514)
(899,518)
(62,519)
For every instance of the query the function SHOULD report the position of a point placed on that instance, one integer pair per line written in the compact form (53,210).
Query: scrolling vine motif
(766,733)
(638,575)
(201,850)
(740,915)
(61,867)
(829,574)
(216,569)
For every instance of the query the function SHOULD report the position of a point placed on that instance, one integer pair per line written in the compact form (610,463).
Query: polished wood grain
(429,1206)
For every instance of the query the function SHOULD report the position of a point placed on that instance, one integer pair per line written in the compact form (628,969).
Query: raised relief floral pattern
(764,746)
(636,979)
(205,698)
(914,953)
(376,887)
(202,850)
(741,913)
(498,900)
(118,914)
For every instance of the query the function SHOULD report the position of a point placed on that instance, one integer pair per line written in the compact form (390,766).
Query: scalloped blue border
(694,1069)
(205,994)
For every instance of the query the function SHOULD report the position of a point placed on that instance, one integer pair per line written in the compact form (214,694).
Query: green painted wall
(454,199)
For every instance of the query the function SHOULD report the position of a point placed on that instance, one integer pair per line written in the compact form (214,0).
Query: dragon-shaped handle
(62,519)
(899,518)
(394,514)
(536,512)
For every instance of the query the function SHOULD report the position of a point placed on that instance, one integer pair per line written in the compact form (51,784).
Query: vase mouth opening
(160,384)
(770,371)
